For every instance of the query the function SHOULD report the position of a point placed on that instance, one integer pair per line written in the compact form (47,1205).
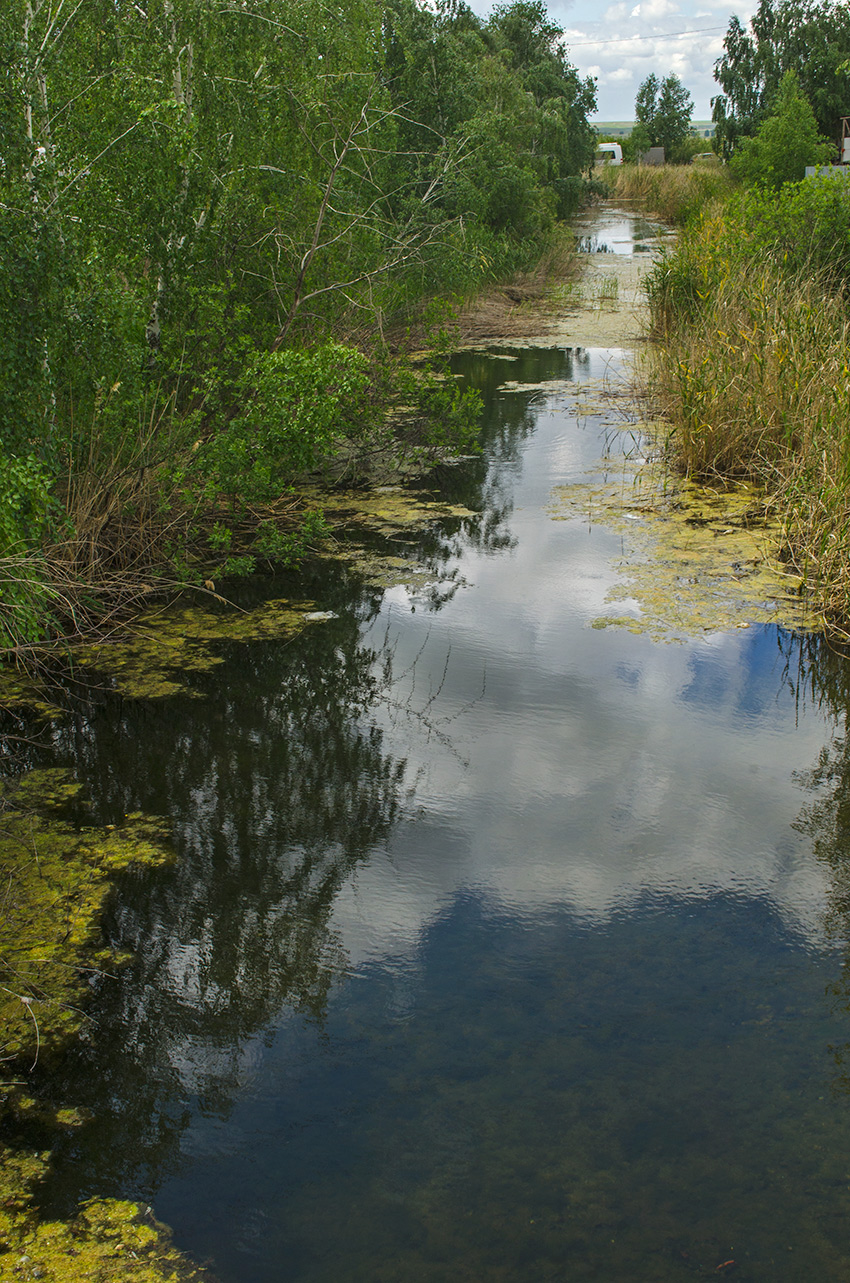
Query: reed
(751,372)
(674,192)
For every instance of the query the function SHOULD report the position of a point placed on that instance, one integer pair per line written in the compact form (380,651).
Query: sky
(622,43)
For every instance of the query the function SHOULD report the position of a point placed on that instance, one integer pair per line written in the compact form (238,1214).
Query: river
(501,945)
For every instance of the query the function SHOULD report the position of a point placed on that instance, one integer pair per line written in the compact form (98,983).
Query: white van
(608,154)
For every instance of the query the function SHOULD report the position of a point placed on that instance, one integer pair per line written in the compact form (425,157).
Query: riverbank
(747,368)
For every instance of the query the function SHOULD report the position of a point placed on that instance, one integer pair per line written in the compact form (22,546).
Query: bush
(785,144)
(294,408)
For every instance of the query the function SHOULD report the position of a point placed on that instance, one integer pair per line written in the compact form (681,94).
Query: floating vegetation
(392,514)
(170,645)
(694,559)
(55,877)
(387,510)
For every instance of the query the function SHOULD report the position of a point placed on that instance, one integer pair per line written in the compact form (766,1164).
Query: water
(611,231)
(499,947)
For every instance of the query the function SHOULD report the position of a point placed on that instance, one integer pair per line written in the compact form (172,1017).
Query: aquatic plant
(750,369)
(675,193)
(56,876)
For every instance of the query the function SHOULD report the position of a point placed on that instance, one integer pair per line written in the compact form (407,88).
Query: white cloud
(631,40)
(651,10)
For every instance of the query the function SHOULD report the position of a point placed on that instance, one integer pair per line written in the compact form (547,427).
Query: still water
(499,947)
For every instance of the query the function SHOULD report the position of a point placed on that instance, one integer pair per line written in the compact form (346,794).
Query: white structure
(608,154)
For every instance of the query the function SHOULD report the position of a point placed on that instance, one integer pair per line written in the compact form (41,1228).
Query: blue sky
(621,42)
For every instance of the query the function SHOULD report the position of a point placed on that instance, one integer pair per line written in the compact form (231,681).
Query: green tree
(809,37)
(786,142)
(663,109)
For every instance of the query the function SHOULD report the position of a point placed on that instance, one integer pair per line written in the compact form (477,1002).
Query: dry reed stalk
(755,383)
(674,192)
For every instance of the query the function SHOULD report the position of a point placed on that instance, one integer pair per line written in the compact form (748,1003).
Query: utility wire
(670,35)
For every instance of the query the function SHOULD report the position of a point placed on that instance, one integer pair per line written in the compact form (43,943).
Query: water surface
(499,947)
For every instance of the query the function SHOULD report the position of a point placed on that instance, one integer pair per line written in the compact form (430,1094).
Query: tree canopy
(810,38)
(663,111)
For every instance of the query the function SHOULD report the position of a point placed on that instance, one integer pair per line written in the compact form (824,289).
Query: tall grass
(751,367)
(675,193)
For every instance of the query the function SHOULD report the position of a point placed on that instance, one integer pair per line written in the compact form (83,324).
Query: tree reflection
(819,673)
(280,786)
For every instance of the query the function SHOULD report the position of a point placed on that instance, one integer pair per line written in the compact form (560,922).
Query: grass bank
(749,366)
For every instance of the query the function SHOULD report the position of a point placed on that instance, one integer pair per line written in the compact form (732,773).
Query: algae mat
(56,875)
(693,560)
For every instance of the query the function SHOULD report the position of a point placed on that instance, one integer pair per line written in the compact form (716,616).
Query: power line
(670,35)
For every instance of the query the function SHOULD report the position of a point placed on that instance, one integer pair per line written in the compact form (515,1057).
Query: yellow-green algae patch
(694,559)
(55,876)
(108,1241)
(394,514)
(386,510)
(169,644)
(21,693)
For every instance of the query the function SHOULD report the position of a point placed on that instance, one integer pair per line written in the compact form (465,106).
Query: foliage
(663,109)
(638,142)
(805,227)
(684,152)
(785,143)
(210,219)
(750,370)
(808,37)
(296,407)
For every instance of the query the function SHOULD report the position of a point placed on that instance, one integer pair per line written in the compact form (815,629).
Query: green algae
(55,876)
(22,693)
(387,510)
(694,559)
(108,1241)
(170,645)
(161,649)
(391,513)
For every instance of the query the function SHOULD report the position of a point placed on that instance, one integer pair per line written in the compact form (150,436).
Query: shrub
(785,144)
